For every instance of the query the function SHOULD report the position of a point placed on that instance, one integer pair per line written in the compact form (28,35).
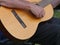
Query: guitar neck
(44,3)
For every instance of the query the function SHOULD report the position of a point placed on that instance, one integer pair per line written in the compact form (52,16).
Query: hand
(22,4)
(37,11)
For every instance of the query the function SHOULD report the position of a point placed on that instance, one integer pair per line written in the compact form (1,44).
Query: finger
(23,0)
(1,0)
(4,4)
(42,13)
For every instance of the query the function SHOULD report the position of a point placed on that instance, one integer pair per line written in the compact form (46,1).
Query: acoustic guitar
(21,24)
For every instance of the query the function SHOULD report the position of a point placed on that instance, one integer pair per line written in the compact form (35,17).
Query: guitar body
(19,30)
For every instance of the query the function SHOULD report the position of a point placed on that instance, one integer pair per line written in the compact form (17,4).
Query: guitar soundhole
(19,19)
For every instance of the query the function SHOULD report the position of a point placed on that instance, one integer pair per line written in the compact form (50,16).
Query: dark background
(58,7)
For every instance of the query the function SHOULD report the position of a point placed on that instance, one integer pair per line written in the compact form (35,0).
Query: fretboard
(44,3)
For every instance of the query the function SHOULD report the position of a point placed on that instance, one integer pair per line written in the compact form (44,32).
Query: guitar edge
(5,32)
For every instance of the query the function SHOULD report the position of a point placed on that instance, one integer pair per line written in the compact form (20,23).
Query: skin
(38,11)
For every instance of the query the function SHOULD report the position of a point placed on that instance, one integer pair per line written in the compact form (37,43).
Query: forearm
(25,5)
(55,3)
